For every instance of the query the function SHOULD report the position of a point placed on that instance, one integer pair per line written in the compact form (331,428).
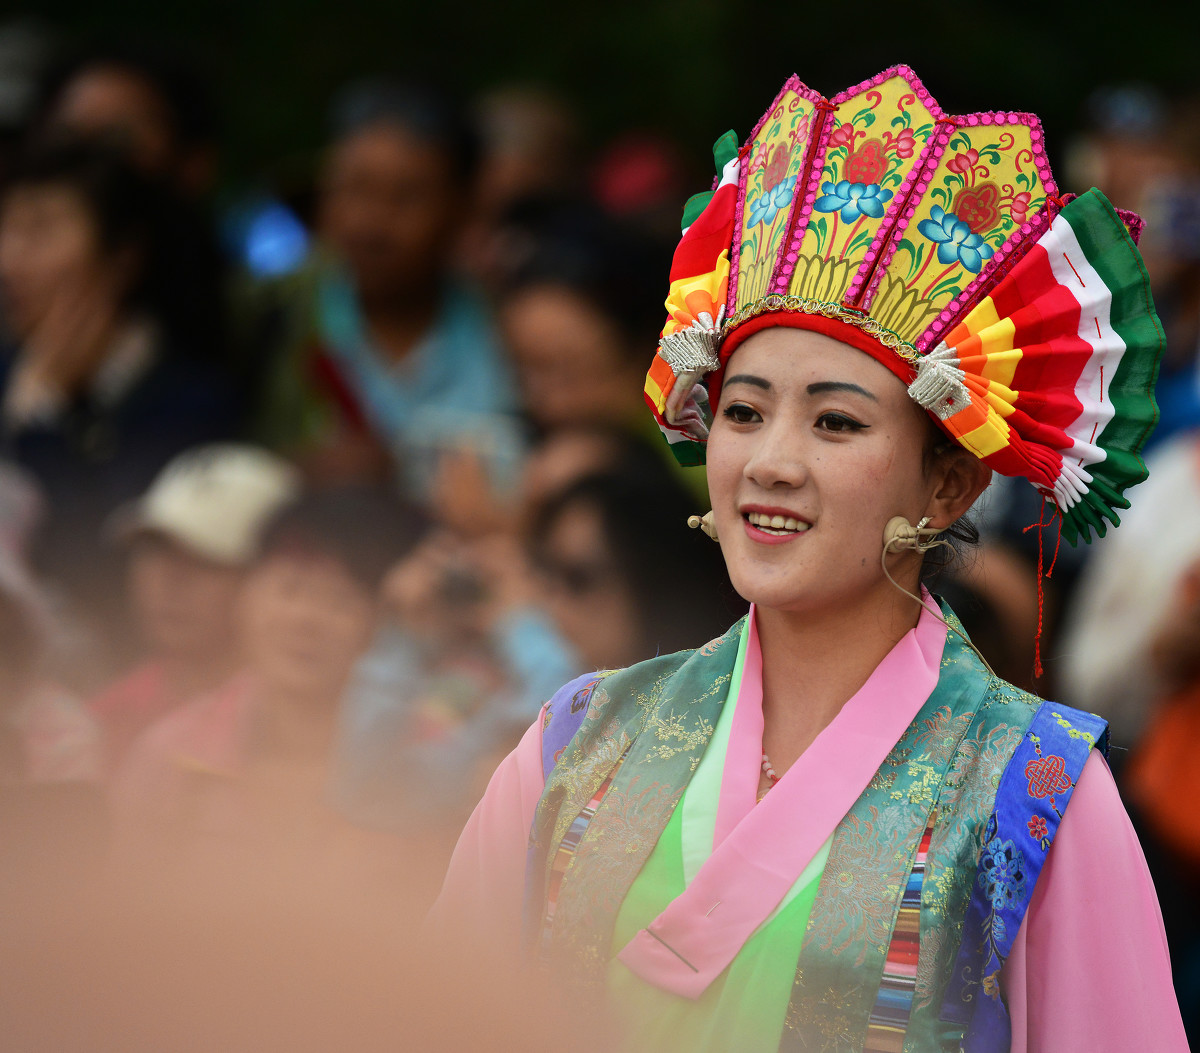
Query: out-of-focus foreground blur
(324,462)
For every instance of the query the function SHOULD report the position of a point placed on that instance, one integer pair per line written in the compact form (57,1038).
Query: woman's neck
(814,663)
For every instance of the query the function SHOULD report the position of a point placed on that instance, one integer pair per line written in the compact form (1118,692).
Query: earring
(705,523)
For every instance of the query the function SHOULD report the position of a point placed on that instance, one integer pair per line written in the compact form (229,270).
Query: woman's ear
(960,478)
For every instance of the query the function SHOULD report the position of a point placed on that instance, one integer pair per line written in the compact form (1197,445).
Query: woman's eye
(836,422)
(740,413)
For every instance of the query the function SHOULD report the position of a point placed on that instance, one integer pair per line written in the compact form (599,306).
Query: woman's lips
(773,526)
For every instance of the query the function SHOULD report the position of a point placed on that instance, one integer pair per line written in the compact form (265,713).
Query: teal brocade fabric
(651,723)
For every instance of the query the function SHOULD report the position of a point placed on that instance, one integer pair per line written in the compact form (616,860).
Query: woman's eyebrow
(839,385)
(746,378)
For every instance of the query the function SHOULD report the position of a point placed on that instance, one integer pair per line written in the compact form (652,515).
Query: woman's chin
(805,595)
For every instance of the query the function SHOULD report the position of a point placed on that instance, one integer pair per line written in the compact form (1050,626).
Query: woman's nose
(780,459)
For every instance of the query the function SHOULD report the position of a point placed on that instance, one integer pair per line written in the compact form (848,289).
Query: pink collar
(752,866)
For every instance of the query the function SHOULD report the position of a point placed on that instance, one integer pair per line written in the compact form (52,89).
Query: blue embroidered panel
(564,714)
(1034,791)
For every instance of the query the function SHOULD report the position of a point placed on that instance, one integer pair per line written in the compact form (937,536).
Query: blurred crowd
(311,496)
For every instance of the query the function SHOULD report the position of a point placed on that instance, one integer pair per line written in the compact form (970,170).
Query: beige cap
(214,500)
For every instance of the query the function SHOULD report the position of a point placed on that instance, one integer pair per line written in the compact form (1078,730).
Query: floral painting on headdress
(984,190)
(878,136)
(775,160)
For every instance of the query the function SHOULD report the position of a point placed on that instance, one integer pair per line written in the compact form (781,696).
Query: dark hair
(677,576)
(963,534)
(365,528)
(986,626)
(613,265)
(175,79)
(433,116)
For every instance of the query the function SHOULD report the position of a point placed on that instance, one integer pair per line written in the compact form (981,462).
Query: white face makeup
(814,447)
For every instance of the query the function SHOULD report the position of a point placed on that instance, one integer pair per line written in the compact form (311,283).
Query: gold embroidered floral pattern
(951,758)
(635,815)
(856,879)
(659,716)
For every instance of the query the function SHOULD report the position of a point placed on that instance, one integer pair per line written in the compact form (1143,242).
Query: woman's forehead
(793,358)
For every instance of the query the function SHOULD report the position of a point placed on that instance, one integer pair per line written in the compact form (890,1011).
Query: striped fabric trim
(893,1005)
(566,852)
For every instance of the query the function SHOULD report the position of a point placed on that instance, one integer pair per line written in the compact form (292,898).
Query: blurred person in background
(530,148)
(46,734)
(246,766)
(464,653)
(571,295)
(1162,782)
(378,343)
(94,397)
(1143,148)
(1125,598)
(1149,148)
(574,308)
(152,105)
(482,626)
(143,100)
(191,539)
(574,304)
(599,546)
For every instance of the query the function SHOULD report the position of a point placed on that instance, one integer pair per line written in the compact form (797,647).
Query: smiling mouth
(780,526)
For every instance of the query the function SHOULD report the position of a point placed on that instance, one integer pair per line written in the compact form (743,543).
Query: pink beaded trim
(866,281)
(799,224)
(1018,243)
(789,248)
(1133,223)
(793,83)
(909,76)
(883,249)
(898,70)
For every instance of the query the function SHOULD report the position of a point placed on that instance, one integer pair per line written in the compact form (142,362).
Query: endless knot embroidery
(1047,776)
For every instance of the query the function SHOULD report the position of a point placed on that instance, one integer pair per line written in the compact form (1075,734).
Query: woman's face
(388,205)
(586,593)
(304,621)
(184,603)
(570,364)
(121,105)
(814,447)
(48,243)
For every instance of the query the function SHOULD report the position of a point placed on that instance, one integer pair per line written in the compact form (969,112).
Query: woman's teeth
(777,524)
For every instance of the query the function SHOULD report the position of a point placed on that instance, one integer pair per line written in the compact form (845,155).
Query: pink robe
(1089,970)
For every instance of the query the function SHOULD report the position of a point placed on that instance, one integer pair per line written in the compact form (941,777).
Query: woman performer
(833,828)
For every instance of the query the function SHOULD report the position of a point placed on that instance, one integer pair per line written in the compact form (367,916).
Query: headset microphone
(899,534)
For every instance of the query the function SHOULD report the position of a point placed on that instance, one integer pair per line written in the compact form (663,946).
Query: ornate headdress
(1021,321)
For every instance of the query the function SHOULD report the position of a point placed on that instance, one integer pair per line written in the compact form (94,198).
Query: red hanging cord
(1057,546)
(1041,524)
